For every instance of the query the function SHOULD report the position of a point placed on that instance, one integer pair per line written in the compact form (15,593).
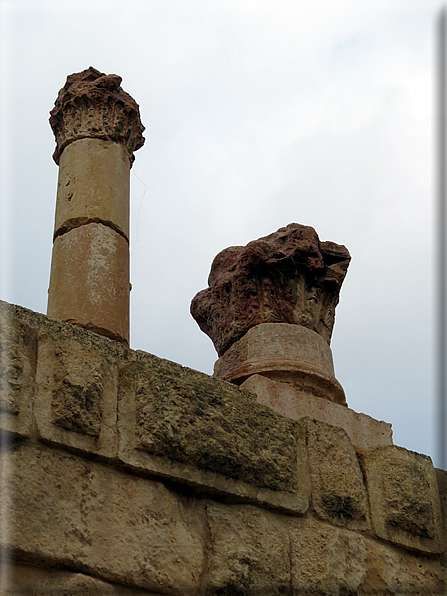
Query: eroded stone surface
(404,498)
(326,560)
(287,353)
(66,511)
(190,417)
(26,580)
(338,492)
(249,552)
(286,277)
(18,353)
(93,186)
(76,394)
(92,104)
(110,527)
(391,571)
(362,430)
(89,283)
(17,363)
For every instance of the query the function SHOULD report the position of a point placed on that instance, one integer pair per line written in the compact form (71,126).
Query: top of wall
(78,391)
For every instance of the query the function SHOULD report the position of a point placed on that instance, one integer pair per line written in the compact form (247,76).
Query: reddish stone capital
(286,277)
(92,104)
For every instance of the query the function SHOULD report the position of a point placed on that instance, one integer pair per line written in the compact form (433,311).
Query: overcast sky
(258,113)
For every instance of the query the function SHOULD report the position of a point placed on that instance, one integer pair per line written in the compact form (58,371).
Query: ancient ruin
(286,277)
(128,475)
(270,310)
(97,128)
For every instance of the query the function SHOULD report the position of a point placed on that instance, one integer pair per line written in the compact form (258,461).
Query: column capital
(92,104)
(286,277)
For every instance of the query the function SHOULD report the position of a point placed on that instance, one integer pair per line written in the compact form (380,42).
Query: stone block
(93,186)
(326,560)
(89,282)
(249,551)
(403,497)
(362,430)
(63,511)
(338,493)
(18,348)
(76,394)
(187,426)
(393,571)
(25,580)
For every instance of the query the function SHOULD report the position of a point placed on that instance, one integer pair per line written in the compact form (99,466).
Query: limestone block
(76,394)
(392,571)
(63,511)
(403,497)
(283,352)
(249,552)
(93,186)
(180,423)
(18,346)
(338,493)
(25,580)
(326,560)
(362,430)
(89,282)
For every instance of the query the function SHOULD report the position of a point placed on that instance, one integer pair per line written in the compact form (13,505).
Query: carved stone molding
(92,104)
(286,277)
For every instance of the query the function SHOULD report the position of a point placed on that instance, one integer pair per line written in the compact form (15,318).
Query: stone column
(270,308)
(97,128)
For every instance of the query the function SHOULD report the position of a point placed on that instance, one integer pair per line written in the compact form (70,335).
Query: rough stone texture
(89,282)
(286,277)
(288,353)
(392,571)
(76,395)
(93,186)
(63,510)
(249,552)
(93,105)
(326,560)
(83,513)
(362,430)
(18,348)
(404,498)
(333,561)
(255,552)
(24,580)
(338,492)
(190,417)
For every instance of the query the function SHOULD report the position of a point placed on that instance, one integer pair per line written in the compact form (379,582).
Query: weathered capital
(286,277)
(93,105)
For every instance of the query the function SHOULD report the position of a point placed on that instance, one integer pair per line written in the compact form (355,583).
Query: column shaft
(97,127)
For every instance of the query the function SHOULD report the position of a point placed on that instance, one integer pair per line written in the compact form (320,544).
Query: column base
(283,352)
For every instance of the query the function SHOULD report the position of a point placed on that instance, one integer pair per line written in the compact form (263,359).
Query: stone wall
(126,474)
